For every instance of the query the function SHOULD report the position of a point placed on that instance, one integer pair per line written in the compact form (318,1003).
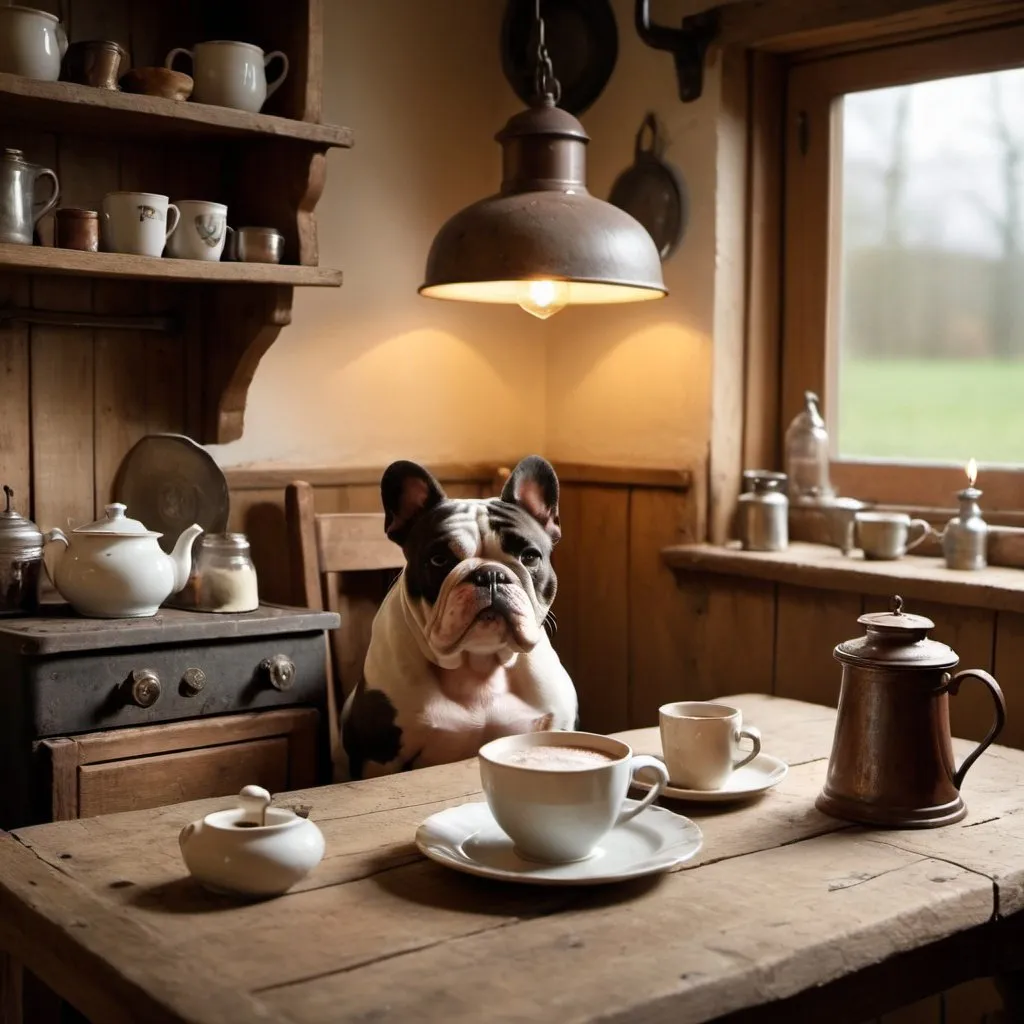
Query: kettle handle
(953,688)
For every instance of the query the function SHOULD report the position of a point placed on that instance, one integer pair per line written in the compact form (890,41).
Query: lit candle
(972,471)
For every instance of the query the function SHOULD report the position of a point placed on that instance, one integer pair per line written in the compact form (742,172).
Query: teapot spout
(54,546)
(181,556)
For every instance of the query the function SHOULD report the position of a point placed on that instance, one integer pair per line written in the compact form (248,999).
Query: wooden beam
(790,25)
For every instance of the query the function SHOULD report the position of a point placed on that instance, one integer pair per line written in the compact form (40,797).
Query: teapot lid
(16,532)
(116,524)
(896,638)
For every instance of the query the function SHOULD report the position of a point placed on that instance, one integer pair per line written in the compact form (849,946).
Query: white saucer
(760,775)
(468,839)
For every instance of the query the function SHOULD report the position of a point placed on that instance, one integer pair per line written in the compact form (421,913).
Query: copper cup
(97,62)
(78,229)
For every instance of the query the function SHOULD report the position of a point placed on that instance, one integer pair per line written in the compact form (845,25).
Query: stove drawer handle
(279,671)
(143,688)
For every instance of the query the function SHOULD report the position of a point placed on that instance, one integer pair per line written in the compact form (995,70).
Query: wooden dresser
(99,715)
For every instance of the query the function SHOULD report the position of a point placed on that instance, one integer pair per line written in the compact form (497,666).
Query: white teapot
(114,568)
(253,849)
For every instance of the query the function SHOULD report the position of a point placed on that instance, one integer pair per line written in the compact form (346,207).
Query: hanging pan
(653,191)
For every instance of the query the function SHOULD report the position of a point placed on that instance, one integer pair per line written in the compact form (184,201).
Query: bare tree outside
(931,339)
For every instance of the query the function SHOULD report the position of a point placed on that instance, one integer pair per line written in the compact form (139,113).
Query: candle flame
(972,471)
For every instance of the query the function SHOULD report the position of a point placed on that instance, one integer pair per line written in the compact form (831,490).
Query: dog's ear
(533,486)
(406,491)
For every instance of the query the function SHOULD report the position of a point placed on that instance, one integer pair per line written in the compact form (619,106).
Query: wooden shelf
(58,106)
(46,259)
(826,568)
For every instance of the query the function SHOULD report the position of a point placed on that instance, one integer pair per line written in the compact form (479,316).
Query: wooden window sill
(825,568)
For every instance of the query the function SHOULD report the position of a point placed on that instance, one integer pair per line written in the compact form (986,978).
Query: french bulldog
(459,653)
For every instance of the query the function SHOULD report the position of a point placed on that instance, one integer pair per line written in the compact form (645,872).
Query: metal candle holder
(965,536)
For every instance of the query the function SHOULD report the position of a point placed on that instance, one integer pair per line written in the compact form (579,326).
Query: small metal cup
(96,62)
(78,229)
(254,245)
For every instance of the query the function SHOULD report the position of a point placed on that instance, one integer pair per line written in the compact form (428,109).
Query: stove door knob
(279,671)
(192,681)
(143,687)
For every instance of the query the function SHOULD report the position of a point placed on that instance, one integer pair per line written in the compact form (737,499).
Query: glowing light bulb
(972,471)
(545,298)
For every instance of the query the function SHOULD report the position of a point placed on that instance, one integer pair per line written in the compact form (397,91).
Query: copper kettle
(892,756)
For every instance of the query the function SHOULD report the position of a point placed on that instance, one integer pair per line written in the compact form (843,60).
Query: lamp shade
(543,241)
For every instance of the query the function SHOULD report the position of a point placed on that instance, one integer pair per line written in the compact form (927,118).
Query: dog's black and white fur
(458,653)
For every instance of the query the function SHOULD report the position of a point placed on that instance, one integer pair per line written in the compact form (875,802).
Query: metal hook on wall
(688,45)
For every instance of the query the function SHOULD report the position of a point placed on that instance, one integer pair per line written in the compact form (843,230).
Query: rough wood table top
(782,900)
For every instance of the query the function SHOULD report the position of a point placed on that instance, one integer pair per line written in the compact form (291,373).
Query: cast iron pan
(169,482)
(581,38)
(653,191)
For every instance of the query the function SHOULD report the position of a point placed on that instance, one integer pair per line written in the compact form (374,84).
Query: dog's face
(478,574)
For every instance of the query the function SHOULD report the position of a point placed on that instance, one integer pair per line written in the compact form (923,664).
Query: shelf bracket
(688,45)
(90,321)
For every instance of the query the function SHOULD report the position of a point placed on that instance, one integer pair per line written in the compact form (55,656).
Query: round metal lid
(116,524)
(16,532)
(896,639)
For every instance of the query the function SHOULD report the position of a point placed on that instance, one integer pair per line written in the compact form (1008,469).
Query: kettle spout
(181,556)
(54,546)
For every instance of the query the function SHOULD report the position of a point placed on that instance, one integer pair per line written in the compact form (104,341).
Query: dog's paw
(543,724)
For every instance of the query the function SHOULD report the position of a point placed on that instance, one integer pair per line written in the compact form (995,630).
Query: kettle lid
(116,524)
(896,639)
(17,534)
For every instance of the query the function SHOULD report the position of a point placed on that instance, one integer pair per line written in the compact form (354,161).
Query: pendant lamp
(543,242)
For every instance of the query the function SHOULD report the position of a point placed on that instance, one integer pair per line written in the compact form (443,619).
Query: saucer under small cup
(468,839)
(763,773)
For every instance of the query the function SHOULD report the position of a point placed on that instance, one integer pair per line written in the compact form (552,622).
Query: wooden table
(782,904)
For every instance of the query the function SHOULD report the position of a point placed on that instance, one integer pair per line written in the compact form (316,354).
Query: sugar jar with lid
(807,454)
(223,577)
(892,761)
(21,559)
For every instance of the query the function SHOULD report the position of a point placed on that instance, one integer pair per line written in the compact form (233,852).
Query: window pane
(930,352)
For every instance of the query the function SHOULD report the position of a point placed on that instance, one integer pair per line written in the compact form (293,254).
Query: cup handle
(273,86)
(50,203)
(925,528)
(754,735)
(953,687)
(644,761)
(177,217)
(169,60)
(62,40)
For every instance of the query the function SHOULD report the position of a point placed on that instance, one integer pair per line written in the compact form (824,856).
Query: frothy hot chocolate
(563,759)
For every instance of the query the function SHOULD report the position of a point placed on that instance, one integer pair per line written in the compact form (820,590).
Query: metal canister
(764,511)
(21,559)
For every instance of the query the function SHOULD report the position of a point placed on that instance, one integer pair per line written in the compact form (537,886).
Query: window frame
(810,241)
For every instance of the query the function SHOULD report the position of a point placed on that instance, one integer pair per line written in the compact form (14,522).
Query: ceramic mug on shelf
(557,794)
(231,74)
(883,536)
(201,230)
(32,43)
(700,742)
(136,222)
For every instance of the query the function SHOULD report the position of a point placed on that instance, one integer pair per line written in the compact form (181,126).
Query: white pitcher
(32,43)
(231,74)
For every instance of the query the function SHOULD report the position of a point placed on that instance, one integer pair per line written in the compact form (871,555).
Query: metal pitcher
(19,210)
(892,757)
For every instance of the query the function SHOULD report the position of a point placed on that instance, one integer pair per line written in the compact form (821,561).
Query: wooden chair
(342,562)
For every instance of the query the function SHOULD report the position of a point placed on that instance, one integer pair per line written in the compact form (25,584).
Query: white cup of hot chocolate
(558,794)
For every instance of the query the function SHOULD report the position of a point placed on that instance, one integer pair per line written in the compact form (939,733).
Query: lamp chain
(544,81)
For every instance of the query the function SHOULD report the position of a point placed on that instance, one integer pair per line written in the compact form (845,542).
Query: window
(904,263)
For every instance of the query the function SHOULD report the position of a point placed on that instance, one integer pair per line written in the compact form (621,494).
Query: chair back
(342,562)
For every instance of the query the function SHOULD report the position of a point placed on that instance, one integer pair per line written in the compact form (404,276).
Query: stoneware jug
(114,568)
(32,43)
(19,210)
(892,759)
(252,850)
